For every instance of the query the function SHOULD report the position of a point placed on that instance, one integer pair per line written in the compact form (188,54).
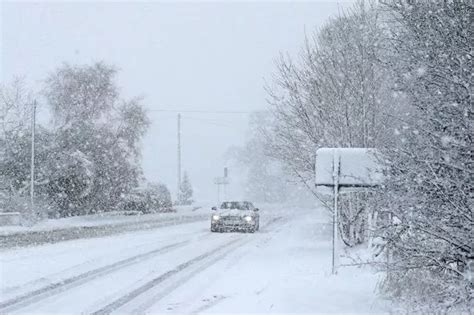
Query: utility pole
(32,174)
(221,181)
(179,156)
(225,182)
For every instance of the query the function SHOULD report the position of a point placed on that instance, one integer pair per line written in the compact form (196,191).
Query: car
(235,215)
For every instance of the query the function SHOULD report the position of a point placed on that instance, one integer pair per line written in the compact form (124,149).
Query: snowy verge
(55,230)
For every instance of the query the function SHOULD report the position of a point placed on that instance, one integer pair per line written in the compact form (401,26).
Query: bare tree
(337,94)
(16,102)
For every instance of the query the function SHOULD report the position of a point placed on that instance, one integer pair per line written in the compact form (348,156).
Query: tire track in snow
(212,257)
(277,221)
(63,285)
(108,309)
(206,263)
(66,273)
(210,303)
(58,287)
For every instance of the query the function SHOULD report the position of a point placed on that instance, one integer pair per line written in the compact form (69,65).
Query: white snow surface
(283,268)
(358,166)
(107,218)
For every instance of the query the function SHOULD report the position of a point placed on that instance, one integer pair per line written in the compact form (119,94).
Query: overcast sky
(194,56)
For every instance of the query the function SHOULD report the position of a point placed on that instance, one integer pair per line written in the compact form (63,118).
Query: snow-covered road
(285,267)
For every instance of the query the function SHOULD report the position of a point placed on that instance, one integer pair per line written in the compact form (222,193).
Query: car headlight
(216,217)
(248,218)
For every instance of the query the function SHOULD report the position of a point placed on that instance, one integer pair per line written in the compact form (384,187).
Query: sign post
(345,169)
(336,165)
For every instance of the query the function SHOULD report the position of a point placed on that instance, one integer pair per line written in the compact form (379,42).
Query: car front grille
(231,219)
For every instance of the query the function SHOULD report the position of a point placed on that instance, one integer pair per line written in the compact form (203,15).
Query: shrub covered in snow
(151,199)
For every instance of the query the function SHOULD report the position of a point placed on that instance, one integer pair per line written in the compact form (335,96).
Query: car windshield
(236,205)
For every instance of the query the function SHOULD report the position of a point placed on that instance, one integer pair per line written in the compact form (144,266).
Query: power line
(210,121)
(201,111)
(214,122)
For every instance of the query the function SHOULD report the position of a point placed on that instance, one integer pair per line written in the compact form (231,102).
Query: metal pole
(32,169)
(389,274)
(335,175)
(179,156)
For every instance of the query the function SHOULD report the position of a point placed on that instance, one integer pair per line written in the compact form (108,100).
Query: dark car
(235,215)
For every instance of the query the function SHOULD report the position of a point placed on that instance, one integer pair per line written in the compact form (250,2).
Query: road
(285,267)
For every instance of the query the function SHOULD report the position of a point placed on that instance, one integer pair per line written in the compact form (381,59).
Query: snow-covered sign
(358,167)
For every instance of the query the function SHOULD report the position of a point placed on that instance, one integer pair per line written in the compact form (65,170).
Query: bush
(154,198)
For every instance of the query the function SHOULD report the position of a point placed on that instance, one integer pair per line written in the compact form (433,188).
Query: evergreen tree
(185,194)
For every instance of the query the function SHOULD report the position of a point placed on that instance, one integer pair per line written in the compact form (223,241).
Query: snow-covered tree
(15,120)
(185,194)
(337,94)
(429,187)
(16,104)
(396,76)
(91,155)
(93,127)
(81,93)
